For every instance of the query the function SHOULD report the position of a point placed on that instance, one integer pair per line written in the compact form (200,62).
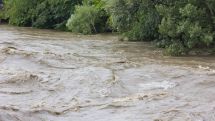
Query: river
(58,76)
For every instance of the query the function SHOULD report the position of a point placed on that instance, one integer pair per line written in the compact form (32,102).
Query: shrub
(83,20)
(6,6)
(51,14)
(136,19)
(20,12)
(188,24)
(179,26)
(88,18)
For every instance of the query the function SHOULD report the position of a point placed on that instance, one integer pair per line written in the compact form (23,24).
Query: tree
(135,19)
(89,18)
(187,24)
(51,14)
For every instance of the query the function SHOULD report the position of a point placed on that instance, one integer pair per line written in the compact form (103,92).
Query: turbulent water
(56,76)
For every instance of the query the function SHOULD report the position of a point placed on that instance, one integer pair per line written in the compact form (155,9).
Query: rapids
(58,76)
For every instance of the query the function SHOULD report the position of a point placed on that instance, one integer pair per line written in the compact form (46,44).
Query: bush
(188,24)
(88,18)
(179,26)
(51,14)
(20,12)
(83,20)
(136,19)
(6,5)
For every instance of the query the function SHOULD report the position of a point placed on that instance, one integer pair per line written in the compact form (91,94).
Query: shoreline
(206,52)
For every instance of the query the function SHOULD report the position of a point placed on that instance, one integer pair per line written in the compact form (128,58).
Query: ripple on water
(57,76)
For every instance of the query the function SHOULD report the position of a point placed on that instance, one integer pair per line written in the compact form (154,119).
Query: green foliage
(88,18)
(53,13)
(187,24)
(20,12)
(83,20)
(179,26)
(135,19)
(176,49)
(7,4)
(40,13)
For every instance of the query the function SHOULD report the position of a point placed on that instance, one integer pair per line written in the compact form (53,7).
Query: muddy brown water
(57,76)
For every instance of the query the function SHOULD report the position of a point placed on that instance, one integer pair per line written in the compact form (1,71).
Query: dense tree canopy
(40,13)
(136,19)
(180,26)
(187,24)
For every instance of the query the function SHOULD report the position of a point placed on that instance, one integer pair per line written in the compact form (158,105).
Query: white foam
(157,85)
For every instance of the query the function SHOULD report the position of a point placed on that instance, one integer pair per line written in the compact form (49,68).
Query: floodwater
(57,76)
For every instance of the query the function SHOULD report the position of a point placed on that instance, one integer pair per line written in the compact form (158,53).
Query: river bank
(50,75)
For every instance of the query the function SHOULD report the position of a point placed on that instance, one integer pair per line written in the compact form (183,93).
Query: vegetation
(51,14)
(178,26)
(88,18)
(136,19)
(187,24)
